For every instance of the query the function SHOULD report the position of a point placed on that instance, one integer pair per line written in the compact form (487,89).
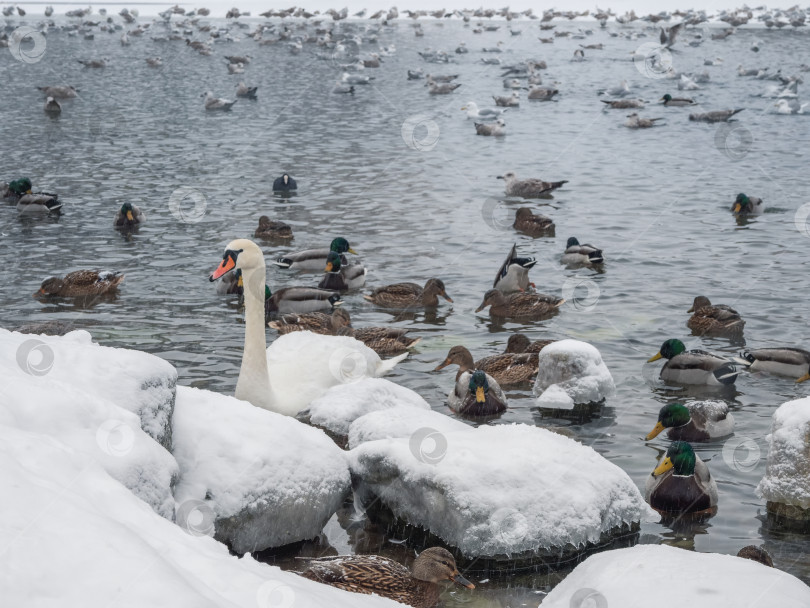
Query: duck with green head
(476,394)
(340,277)
(694,366)
(129,216)
(747,205)
(696,421)
(676,102)
(681,484)
(31,203)
(315,259)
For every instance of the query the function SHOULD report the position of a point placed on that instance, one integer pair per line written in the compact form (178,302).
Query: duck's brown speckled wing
(397,294)
(82,278)
(509,368)
(364,574)
(316,322)
(385,340)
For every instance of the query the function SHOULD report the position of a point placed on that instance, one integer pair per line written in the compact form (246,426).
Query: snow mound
(341,405)
(787,475)
(96,400)
(257,479)
(575,368)
(501,490)
(67,517)
(404,421)
(632,577)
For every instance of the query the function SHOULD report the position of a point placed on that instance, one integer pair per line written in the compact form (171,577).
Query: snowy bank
(502,490)
(571,372)
(667,577)
(254,478)
(416,424)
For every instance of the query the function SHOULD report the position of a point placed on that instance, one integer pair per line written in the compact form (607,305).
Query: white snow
(265,479)
(94,399)
(404,421)
(500,490)
(341,405)
(666,577)
(787,475)
(576,368)
(73,536)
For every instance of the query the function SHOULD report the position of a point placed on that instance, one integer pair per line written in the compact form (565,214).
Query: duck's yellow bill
(352,251)
(655,432)
(804,378)
(129,216)
(329,267)
(480,396)
(663,467)
(737,208)
(655,358)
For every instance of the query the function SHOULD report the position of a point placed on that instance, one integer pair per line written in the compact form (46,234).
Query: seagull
(620,90)
(496,128)
(342,88)
(60,92)
(473,111)
(507,102)
(215,103)
(442,88)
(623,104)
(542,93)
(634,121)
(715,116)
(792,106)
(669,35)
(242,90)
(93,63)
(355,78)
(154,62)
(528,188)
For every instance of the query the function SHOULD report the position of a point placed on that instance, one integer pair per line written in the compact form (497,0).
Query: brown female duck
(505,369)
(81,283)
(519,343)
(409,295)
(714,320)
(531,224)
(272,229)
(520,305)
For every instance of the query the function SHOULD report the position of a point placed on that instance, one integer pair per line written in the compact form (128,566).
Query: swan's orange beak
(228,263)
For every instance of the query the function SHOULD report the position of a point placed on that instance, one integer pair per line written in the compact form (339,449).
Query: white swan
(298,367)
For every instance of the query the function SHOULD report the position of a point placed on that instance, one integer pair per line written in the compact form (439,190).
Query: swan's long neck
(254,381)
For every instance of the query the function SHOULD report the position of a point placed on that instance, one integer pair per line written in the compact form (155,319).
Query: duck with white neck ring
(298,367)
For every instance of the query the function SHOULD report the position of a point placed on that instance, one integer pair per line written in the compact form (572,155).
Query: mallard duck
(696,421)
(715,116)
(285,183)
(520,305)
(385,340)
(409,295)
(334,324)
(373,574)
(299,299)
(576,254)
(81,283)
(531,224)
(272,229)
(513,274)
(476,394)
(519,343)
(231,283)
(339,277)
(758,554)
(681,483)
(719,320)
(694,366)
(669,100)
(747,205)
(28,202)
(129,216)
(506,368)
(315,259)
(784,361)
(528,188)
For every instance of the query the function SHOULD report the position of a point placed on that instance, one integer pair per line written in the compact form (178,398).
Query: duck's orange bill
(737,208)
(462,581)
(129,216)
(228,263)
(480,396)
(442,365)
(655,432)
(328,267)
(804,378)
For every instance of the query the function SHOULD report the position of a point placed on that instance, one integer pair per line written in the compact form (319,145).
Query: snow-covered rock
(256,479)
(571,372)
(98,401)
(787,475)
(66,521)
(343,404)
(423,427)
(667,577)
(501,490)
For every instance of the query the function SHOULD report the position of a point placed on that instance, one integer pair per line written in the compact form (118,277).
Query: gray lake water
(657,201)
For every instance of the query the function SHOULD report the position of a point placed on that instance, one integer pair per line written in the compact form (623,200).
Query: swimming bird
(694,366)
(715,116)
(441,88)
(129,216)
(670,35)
(272,229)
(476,394)
(714,320)
(519,343)
(341,88)
(315,259)
(747,205)
(513,275)
(338,277)
(681,483)
(696,421)
(528,306)
(542,93)
(623,104)
(620,90)
(373,574)
(531,224)
(576,254)
(579,55)
(671,101)
(154,62)
(215,103)
(473,111)
(783,361)
(512,101)
(504,369)
(299,300)
(634,121)
(334,324)
(59,91)
(528,188)
(285,183)
(409,295)
(790,106)
(242,90)
(758,554)
(81,283)
(52,107)
(496,129)
(93,63)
